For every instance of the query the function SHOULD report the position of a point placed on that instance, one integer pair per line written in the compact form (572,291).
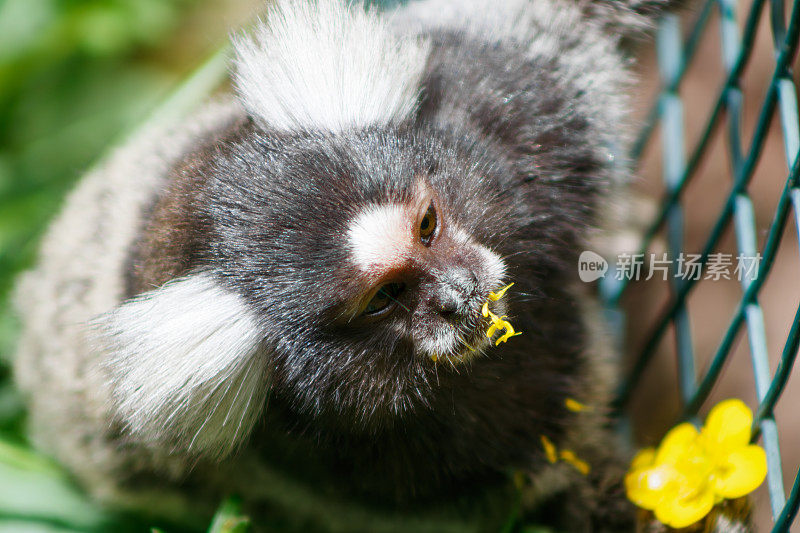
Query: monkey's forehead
(381,237)
(383,241)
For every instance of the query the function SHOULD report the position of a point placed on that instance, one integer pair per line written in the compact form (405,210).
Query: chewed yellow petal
(741,472)
(677,443)
(568,456)
(499,294)
(508,334)
(575,406)
(498,323)
(494,318)
(549,449)
(682,512)
(727,427)
(434,357)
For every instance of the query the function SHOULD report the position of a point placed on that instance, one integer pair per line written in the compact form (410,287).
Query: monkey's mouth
(469,344)
(473,342)
(484,329)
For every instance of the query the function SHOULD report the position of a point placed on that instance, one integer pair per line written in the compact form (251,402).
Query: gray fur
(80,275)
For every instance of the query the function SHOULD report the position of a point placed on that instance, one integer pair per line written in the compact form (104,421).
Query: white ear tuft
(185,366)
(327,65)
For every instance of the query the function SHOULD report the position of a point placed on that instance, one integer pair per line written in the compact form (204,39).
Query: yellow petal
(508,334)
(492,330)
(493,317)
(682,512)
(678,442)
(496,296)
(644,458)
(727,427)
(485,308)
(741,472)
(696,468)
(648,487)
(568,456)
(575,406)
(549,449)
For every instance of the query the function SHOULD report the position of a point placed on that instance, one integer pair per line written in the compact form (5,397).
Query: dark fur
(268,210)
(500,139)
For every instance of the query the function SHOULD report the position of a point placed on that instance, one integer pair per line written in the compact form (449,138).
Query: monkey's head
(341,271)
(366,256)
(362,258)
(335,248)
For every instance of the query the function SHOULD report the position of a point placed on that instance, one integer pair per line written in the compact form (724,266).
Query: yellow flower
(670,481)
(691,471)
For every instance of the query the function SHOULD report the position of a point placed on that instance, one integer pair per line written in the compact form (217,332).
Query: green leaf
(229,518)
(34,489)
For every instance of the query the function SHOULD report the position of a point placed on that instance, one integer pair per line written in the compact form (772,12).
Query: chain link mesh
(725,119)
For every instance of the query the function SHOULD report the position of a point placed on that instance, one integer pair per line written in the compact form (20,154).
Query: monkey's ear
(186,366)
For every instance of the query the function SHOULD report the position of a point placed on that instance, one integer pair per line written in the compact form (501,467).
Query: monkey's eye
(384,300)
(427,226)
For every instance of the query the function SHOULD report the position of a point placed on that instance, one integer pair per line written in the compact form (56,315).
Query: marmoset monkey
(280,296)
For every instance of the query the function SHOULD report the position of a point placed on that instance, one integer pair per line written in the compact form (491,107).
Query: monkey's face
(368,257)
(420,275)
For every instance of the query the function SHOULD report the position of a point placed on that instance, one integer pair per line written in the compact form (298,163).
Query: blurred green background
(76,76)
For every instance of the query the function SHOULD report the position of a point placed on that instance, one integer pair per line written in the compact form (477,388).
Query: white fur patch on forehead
(185,366)
(381,237)
(327,65)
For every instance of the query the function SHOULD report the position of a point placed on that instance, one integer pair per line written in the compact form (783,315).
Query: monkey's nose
(448,306)
(454,293)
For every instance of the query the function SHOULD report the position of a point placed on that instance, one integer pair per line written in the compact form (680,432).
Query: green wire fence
(725,119)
